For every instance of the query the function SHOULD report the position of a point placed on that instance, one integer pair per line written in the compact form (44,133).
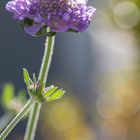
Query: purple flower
(59,15)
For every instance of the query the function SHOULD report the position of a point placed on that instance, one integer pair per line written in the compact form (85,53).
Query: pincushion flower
(58,15)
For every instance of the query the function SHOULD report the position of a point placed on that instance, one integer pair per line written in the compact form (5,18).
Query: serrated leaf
(26,76)
(7,94)
(56,95)
(49,90)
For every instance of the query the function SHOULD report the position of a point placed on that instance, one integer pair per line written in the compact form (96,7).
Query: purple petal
(59,15)
(32,30)
(10,6)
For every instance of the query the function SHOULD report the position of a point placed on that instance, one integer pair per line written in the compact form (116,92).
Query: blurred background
(99,69)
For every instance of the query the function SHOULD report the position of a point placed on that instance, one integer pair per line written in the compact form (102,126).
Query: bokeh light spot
(126,15)
(80,132)
(62,115)
(108,105)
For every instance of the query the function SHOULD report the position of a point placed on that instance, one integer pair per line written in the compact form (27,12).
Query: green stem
(16,120)
(43,74)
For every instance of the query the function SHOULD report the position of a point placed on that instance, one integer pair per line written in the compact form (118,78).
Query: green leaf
(56,95)
(44,31)
(25,75)
(28,21)
(27,78)
(7,95)
(49,90)
(72,30)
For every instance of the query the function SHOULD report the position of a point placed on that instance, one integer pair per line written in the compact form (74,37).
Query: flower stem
(43,74)
(16,119)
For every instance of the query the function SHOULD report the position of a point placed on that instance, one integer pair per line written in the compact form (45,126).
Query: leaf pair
(39,92)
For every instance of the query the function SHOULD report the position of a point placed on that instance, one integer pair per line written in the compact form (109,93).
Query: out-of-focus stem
(16,119)
(5,119)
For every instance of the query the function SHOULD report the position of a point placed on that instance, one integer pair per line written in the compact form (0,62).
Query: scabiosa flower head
(59,15)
